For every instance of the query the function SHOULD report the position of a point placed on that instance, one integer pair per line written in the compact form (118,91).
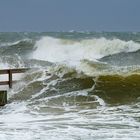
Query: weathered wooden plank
(3,97)
(4,83)
(7,82)
(6,71)
(3,94)
(19,70)
(10,72)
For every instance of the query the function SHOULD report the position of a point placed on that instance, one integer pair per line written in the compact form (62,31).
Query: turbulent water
(81,86)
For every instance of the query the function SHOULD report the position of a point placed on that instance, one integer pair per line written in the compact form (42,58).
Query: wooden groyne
(3,97)
(10,72)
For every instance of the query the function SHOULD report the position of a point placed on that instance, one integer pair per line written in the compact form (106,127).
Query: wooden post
(10,78)
(3,98)
(10,72)
(3,94)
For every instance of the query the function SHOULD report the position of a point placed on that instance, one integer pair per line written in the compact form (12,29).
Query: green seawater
(80,86)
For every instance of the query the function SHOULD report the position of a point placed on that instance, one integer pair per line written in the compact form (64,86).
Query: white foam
(71,51)
(5,44)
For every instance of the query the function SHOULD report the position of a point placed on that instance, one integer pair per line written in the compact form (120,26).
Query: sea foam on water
(59,50)
(72,92)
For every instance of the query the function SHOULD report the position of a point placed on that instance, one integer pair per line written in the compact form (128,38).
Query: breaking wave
(76,87)
(60,50)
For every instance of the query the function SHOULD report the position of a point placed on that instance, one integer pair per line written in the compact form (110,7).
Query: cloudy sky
(66,15)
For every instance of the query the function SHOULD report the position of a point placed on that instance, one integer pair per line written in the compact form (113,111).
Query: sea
(79,86)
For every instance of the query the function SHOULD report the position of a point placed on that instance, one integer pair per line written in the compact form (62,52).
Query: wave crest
(62,50)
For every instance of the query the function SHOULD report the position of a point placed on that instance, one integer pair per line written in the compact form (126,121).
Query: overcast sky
(66,15)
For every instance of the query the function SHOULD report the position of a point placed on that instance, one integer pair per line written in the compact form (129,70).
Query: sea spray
(61,50)
(76,87)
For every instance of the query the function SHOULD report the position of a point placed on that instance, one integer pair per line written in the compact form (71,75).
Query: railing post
(10,78)
(3,98)
(10,75)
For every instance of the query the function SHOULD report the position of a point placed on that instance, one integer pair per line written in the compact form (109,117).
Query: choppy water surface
(81,86)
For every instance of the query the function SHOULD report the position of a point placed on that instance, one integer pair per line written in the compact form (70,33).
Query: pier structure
(9,82)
